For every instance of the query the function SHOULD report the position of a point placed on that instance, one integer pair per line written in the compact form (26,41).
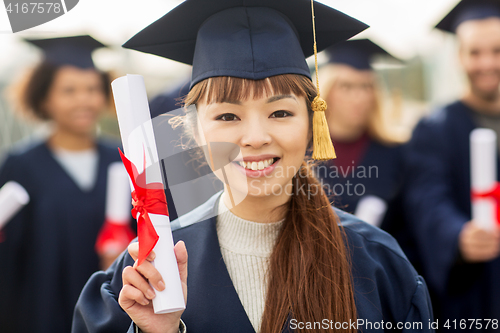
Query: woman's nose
(255,134)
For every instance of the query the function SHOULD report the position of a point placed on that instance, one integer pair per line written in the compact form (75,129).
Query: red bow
(493,193)
(146,199)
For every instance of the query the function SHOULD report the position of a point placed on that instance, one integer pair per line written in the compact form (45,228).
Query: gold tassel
(323,146)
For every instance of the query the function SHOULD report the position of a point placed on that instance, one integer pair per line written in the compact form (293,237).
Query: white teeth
(260,165)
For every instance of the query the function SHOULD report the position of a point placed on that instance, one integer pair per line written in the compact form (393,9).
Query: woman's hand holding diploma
(137,292)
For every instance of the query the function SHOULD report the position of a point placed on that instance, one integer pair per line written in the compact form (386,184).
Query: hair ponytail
(309,272)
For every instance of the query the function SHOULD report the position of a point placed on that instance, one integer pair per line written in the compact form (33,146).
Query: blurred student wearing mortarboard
(169,100)
(460,260)
(48,248)
(280,258)
(368,168)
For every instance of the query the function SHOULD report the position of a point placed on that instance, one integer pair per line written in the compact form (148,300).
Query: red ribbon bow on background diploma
(146,199)
(493,193)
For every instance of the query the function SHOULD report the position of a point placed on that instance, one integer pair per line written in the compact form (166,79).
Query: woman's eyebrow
(279,97)
(269,100)
(233,102)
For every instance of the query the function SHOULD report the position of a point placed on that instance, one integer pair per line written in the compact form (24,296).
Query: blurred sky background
(429,78)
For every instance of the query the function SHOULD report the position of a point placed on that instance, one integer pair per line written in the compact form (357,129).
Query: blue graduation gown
(438,204)
(48,252)
(386,285)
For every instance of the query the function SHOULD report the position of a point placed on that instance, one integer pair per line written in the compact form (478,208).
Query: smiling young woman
(258,116)
(274,261)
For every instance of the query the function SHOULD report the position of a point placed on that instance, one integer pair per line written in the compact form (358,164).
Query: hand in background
(477,244)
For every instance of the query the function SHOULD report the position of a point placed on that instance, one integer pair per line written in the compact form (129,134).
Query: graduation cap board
(356,53)
(74,50)
(251,39)
(468,10)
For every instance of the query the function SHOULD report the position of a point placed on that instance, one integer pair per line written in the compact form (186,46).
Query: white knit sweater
(246,247)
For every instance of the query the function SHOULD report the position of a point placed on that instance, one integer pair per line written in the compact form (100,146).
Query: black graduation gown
(48,252)
(386,285)
(438,205)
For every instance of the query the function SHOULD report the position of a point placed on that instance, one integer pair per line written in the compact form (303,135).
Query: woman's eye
(280,114)
(227,117)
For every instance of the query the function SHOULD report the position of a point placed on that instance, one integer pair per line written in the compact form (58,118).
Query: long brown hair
(310,271)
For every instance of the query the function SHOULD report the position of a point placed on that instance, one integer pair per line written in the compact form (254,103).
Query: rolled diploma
(137,135)
(13,197)
(371,209)
(118,197)
(483,155)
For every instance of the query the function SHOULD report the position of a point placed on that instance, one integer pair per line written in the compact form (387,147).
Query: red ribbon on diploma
(146,199)
(494,194)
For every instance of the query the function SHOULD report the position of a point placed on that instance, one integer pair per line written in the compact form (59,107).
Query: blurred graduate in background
(48,249)
(461,260)
(366,177)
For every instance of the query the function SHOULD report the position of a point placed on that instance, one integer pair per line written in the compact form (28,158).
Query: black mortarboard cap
(251,39)
(75,50)
(357,53)
(467,10)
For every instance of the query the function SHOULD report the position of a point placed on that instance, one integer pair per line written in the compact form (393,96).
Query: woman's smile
(256,166)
